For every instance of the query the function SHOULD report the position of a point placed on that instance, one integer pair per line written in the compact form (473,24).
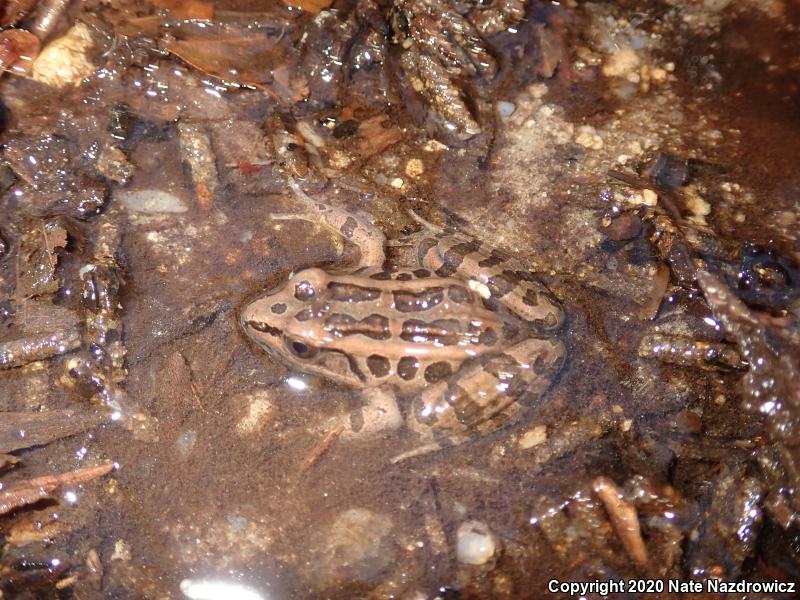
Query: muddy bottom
(610,394)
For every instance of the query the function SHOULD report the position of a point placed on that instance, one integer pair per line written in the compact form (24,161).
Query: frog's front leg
(379,413)
(487,393)
(369,239)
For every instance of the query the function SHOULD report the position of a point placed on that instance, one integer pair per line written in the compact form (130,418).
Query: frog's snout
(252,320)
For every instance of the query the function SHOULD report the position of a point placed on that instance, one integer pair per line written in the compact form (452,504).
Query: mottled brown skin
(467,335)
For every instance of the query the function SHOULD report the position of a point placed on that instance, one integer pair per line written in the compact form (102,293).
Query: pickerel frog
(467,335)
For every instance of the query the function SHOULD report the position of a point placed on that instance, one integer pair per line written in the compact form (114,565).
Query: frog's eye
(301,349)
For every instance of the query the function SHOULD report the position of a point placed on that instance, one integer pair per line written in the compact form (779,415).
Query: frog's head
(288,322)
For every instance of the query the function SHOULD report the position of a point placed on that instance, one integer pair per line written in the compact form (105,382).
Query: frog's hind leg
(494,275)
(369,239)
(488,393)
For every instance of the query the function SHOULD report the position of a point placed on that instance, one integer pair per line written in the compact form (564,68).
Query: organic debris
(31,491)
(25,430)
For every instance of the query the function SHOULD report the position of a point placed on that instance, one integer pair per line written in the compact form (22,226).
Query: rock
(258,407)
(505,109)
(534,437)
(624,226)
(622,63)
(151,201)
(65,60)
(588,137)
(476,544)
(357,546)
(114,165)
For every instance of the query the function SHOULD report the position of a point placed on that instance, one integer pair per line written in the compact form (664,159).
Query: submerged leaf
(23,430)
(18,48)
(15,10)
(311,6)
(238,59)
(31,491)
(187,9)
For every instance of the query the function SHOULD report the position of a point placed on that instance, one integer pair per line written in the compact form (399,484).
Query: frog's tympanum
(466,335)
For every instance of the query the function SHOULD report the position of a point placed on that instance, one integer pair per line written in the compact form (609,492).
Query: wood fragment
(187,9)
(310,6)
(198,154)
(659,287)
(31,491)
(16,353)
(7,462)
(19,430)
(624,518)
(322,447)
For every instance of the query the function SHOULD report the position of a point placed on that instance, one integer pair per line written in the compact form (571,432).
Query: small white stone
(434,146)
(649,197)
(258,409)
(396,183)
(185,442)
(696,204)
(505,109)
(121,551)
(588,138)
(476,544)
(658,74)
(622,63)
(151,201)
(534,437)
(415,167)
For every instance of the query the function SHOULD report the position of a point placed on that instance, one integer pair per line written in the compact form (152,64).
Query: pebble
(151,201)
(696,204)
(396,183)
(622,63)
(588,138)
(65,61)
(476,544)
(505,109)
(357,546)
(258,410)
(534,437)
(185,442)
(625,226)
(415,167)
(649,197)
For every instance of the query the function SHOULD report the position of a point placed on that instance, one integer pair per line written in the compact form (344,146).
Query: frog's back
(403,328)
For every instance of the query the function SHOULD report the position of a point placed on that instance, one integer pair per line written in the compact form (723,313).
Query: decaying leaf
(18,49)
(20,430)
(31,491)
(38,258)
(187,9)
(7,461)
(14,11)
(311,6)
(37,526)
(237,59)
(376,134)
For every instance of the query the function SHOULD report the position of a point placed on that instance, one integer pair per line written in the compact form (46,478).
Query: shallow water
(230,467)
